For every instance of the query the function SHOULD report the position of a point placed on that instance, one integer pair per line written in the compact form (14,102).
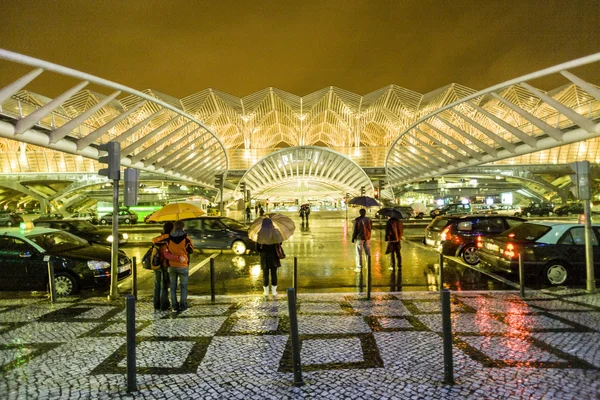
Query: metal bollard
(212,280)
(441,274)
(134,273)
(368,277)
(296,362)
(295,276)
(131,379)
(447,335)
(52,286)
(521,276)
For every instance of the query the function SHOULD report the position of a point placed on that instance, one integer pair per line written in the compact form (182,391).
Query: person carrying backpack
(179,244)
(161,274)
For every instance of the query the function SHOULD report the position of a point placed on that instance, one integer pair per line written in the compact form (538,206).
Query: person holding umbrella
(269,231)
(394,230)
(361,233)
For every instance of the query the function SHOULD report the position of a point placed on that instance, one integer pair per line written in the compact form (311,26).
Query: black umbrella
(364,201)
(389,212)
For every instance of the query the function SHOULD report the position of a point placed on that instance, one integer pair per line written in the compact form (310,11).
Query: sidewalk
(547,346)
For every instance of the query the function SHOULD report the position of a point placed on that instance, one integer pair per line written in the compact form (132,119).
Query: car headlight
(125,236)
(109,239)
(95,265)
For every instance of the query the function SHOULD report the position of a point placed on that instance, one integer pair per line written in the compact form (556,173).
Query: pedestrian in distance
(161,273)
(261,211)
(269,260)
(302,213)
(179,244)
(361,234)
(394,230)
(306,212)
(248,214)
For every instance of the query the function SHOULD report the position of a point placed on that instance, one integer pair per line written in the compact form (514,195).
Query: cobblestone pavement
(544,347)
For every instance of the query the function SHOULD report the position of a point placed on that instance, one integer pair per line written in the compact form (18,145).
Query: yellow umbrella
(176,211)
(271,228)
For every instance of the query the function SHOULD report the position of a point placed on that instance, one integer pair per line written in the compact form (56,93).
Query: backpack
(147,259)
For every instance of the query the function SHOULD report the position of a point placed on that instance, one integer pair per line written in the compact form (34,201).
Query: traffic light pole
(114,250)
(589,248)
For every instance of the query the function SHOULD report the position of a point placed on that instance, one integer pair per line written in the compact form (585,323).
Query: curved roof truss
(155,133)
(306,168)
(503,121)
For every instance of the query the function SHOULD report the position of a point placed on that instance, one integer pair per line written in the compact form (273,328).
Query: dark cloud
(239,47)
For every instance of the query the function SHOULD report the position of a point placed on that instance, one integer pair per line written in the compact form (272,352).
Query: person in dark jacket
(361,234)
(269,260)
(394,230)
(161,275)
(179,244)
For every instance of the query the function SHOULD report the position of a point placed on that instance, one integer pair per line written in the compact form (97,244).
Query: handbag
(147,259)
(280,252)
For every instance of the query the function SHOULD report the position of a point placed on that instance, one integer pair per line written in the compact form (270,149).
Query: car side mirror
(25,254)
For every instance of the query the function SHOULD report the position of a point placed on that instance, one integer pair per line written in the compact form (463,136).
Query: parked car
(569,209)
(553,252)
(84,230)
(539,209)
(507,209)
(459,236)
(49,216)
(124,217)
(77,264)
(147,218)
(219,233)
(86,216)
(451,209)
(9,218)
(384,212)
(483,209)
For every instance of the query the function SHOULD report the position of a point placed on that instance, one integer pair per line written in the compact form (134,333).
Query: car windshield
(83,226)
(439,224)
(58,241)
(233,224)
(527,232)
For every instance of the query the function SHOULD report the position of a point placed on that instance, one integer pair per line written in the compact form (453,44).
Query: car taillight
(479,242)
(510,250)
(582,218)
(446,235)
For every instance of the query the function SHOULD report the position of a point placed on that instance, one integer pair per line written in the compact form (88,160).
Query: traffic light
(362,191)
(131,186)
(581,179)
(243,187)
(381,186)
(218,181)
(113,159)
(376,193)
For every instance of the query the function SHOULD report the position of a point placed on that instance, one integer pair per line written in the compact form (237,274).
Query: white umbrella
(271,228)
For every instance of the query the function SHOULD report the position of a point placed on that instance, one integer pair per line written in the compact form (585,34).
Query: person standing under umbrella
(361,233)
(269,260)
(161,274)
(394,230)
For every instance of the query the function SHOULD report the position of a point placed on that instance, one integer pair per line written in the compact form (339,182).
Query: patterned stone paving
(544,347)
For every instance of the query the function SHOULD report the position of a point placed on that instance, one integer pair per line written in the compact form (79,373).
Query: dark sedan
(77,264)
(552,252)
(219,233)
(84,230)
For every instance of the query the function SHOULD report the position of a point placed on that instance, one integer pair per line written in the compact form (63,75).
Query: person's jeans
(360,245)
(183,275)
(161,289)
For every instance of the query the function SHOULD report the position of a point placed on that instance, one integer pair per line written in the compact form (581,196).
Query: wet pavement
(546,346)
(326,262)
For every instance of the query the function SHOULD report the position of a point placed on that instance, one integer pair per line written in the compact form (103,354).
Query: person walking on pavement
(302,213)
(394,230)
(248,214)
(361,234)
(306,212)
(161,274)
(179,244)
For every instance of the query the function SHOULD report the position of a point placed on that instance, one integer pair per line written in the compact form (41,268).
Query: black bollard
(521,276)
(447,335)
(441,278)
(134,273)
(51,283)
(131,380)
(368,277)
(295,338)
(212,280)
(295,276)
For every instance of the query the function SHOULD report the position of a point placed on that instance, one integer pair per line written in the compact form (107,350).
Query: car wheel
(9,223)
(528,214)
(127,221)
(569,214)
(238,247)
(65,285)
(517,214)
(420,216)
(469,255)
(556,273)
(103,222)
(549,213)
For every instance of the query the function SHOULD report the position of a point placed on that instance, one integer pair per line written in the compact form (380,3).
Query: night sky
(240,47)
